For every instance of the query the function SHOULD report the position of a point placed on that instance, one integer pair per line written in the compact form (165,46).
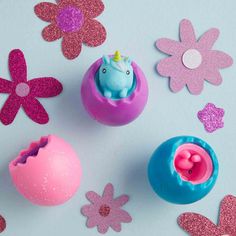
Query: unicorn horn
(117,56)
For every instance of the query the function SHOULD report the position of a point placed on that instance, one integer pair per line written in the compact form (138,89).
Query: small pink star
(211,117)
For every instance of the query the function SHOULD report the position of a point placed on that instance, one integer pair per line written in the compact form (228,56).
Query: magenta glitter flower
(23,93)
(2,224)
(198,225)
(211,117)
(73,21)
(192,61)
(105,211)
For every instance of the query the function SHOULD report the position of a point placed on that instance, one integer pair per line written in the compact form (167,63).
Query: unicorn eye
(104,70)
(127,72)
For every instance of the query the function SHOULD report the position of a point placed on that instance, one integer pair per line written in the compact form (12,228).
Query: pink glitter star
(211,117)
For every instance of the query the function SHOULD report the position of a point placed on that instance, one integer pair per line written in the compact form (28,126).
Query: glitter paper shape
(2,224)
(24,93)
(211,117)
(198,225)
(192,60)
(105,211)
(73,21)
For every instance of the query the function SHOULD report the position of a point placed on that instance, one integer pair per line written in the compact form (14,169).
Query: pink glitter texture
(198,225)
(23,93)
(211,117)
(2,224)
(70,19)
(73,21)
(105,211)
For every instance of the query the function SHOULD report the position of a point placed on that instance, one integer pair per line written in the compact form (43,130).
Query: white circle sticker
(192,58)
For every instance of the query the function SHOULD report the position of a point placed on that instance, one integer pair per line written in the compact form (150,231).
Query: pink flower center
(104,210)
(193,163)
(22,89)
(192,59)
(70,19)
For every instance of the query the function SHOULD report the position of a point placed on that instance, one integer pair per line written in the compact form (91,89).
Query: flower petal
(116,226)
(35,111)
(218,59)
(227,219)
(195,85)
(93,197)
(214,77)
(209,38)
(92,222)
(51,32)
(46,11)
(94,33)
(10,109)
(108,192)
(102,228)
(6,86)
(72,45)
(176,84)
(123,216)
(197,225)
(91,8)
(17,66)
(168,46)
(168,66)
(88,210)
(45,87)
(120,201)
(187,34)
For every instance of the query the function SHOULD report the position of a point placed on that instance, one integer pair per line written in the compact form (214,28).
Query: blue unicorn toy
(116,76)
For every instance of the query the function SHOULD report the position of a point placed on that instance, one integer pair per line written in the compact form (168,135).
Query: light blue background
(117,155)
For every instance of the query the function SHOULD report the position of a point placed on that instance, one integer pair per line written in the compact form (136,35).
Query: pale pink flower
(105,211)
(192,60)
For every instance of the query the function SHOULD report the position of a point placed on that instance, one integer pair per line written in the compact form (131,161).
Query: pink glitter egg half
(48,173)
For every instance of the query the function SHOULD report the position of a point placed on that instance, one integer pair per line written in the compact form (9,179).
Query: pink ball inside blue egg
(183,169)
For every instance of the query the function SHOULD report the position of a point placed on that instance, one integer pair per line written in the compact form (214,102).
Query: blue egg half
(167,182)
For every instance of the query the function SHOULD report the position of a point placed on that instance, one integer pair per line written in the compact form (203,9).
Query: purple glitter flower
(70,19)
(211,117)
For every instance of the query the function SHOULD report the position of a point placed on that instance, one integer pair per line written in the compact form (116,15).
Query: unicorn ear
(106,59)
(128,60)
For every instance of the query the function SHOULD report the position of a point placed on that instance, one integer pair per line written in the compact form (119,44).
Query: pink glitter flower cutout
(192,61)
(23,93)
(72,20)
(211,117)
(2,224)
(105,211)
(198,225)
